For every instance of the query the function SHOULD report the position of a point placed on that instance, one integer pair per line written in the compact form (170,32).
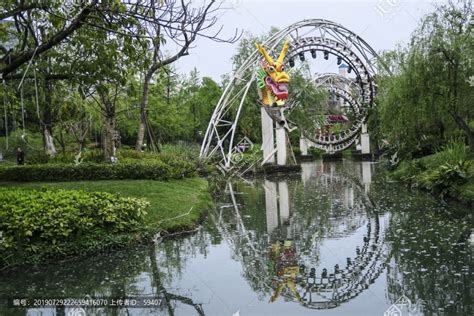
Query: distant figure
(20,156)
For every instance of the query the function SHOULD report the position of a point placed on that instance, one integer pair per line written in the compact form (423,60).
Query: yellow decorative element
(287,281)
(262,50)
(283,52)
(283,256)
(272,78)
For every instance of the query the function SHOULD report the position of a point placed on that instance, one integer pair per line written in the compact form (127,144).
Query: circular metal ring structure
(305,36)
(352,95)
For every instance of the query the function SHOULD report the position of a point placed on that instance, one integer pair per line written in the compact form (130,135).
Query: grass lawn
(169,199)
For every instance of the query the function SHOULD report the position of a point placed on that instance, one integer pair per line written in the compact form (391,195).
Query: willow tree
(429,98)
(446,40)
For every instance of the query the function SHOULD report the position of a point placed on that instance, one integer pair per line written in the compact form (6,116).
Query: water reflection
(136,272)
(328,204)
(328,238)
(431,259)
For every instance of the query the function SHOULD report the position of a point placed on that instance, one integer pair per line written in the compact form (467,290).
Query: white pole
(267,136)
(303,146)
(281,145)
(365,140)
(284,201)
(271,205)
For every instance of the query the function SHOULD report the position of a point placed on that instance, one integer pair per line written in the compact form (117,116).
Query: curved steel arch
(305,35)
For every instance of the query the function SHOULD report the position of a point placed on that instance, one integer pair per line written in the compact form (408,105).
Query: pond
(336,239)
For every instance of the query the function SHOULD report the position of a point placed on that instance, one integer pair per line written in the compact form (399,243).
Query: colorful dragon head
(272,80)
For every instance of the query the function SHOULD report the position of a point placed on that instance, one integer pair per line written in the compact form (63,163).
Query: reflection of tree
(167,297)
(430,261)
(110,275)
(320,213)
(94,277)
(175,253)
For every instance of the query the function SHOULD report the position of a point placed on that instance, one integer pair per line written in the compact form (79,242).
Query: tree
(198,97)
(429,100)
(25,16)
(94,49)
(51,34)
(176,23)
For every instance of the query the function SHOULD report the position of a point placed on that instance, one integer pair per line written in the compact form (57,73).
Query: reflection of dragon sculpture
(285,268)
(272,80)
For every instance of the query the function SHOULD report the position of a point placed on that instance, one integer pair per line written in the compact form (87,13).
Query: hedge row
(44,223)
(150,170)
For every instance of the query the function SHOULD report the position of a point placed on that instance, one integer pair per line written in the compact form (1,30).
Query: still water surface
(335,239)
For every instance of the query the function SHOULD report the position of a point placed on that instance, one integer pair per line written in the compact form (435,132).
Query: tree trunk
(48,142)
(108,142)
(470,138)
(461,123)
(143,113)
(108,133)
(47,122)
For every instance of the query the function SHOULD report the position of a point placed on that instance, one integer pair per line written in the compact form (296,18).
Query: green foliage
(46,222)
(103,67)
(167,167)
(428,99)
(454,152)
(175,205)
(444,180)
(30,143)
(442,173)
(315,152)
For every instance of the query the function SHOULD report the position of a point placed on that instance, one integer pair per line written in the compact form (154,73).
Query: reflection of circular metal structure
(326,290)
(321,288)
(308,35)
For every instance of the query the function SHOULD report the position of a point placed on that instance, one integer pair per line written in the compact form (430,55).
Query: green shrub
(297,151)
(180,151)
(315,152)
(46,223)
(135,169)
(455,152)
(87,155)
(183,149)
(123,154)
(443,180)
(441,173)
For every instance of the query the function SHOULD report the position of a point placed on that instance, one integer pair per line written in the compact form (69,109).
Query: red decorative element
(337,119)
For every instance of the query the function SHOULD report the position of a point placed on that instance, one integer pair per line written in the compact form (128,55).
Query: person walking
(20,156)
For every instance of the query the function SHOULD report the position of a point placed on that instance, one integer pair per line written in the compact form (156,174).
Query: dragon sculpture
(272,80)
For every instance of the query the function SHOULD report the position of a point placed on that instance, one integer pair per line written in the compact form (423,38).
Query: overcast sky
(382,23)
